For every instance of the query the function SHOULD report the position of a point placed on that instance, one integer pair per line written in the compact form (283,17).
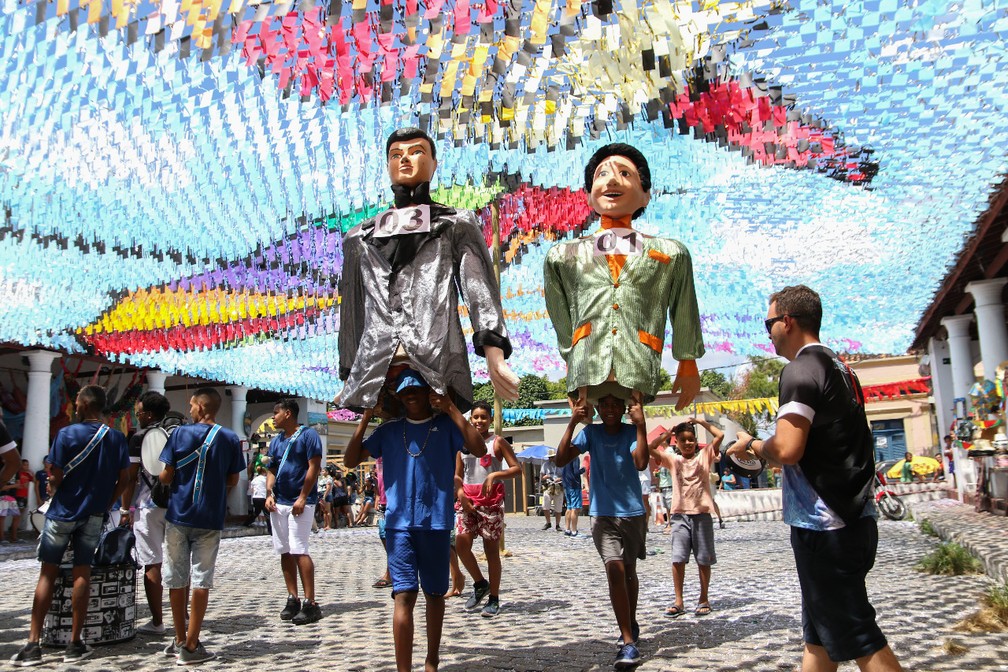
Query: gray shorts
(620,538)
(693,532)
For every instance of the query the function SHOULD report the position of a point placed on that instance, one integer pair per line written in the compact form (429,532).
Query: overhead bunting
(176,176)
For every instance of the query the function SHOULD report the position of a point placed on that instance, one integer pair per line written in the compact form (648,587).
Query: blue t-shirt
(223,459)
(615,488)
(290,479)
(571,475)
(87,489)
(420,490)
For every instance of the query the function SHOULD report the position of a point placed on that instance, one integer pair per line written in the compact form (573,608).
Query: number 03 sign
(619,241)
(395,222)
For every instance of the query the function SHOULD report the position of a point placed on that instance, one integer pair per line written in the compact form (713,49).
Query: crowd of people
(440,472)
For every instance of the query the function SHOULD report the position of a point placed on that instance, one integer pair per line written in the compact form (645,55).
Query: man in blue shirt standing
(418,459)
(291,496)
(619,526)
(202,462)
(90,467)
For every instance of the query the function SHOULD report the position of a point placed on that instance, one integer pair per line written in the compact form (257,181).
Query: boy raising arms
(418,455)
(619,526)
(692,503)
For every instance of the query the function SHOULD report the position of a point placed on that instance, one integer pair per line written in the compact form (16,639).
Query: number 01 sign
(618,241)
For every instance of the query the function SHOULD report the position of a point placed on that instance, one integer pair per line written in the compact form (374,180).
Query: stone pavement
(984,534)
(555,612)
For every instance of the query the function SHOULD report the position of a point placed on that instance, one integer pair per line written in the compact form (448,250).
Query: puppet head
(618,181)
(412,157)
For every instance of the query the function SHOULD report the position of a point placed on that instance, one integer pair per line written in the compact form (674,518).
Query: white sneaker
(149,628)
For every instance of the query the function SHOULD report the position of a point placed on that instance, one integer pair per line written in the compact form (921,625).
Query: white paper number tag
(619,241)
(395,222)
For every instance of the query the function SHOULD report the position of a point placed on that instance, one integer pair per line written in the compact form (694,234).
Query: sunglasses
(770,321)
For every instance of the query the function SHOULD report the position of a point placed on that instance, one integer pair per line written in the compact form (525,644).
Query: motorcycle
(887,501)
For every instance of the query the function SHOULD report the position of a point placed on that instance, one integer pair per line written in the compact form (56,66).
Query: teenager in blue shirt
(90,468)
(291,497)
(619,525)
(202,462)
(418,457)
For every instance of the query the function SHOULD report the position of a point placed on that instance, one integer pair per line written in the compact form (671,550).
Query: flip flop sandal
(675,611)
(381,583)
(702,609)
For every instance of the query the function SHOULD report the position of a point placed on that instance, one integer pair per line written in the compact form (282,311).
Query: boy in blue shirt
(291,496)
(418,457)
(90,468)
(202,462)
(619,525)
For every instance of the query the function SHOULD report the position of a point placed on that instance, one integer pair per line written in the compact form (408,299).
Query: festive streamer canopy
(176,176)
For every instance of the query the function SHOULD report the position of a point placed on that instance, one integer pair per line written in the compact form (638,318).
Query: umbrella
(536,454)
(922,466)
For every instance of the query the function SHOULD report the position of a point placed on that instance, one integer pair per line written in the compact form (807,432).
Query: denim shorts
(189,552)
(57,534)
(418,554)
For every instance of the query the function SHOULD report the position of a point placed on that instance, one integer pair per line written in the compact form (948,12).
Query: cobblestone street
(555,612)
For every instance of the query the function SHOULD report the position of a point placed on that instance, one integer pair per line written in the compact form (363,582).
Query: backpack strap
(88,449)
(200,456)
(290,442)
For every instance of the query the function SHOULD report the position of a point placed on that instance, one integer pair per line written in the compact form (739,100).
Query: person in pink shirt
(692,504)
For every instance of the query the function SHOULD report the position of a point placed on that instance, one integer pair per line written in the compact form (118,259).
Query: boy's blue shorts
(423,554)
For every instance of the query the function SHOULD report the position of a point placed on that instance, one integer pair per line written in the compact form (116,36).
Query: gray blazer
(417,306)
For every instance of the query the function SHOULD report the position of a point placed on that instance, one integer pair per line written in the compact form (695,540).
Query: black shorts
(341,501)
(832,567)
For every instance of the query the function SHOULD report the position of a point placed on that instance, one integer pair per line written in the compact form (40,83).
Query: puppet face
(616,189)
(410,162)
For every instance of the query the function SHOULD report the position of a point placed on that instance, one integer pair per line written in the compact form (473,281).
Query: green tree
(759,381)
(717,383)
(530,390)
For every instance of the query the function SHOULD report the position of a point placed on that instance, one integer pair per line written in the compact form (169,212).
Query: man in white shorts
(152,412)
(552,490)
(291,497)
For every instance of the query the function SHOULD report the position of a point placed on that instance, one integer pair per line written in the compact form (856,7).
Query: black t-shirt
(6,442)
(838,459)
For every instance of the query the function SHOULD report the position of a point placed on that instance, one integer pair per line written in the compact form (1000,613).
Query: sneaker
(546,526)
(567,533)
(30,655)
(480,590)
(173,648)
(574,533)
(491,608)
(627,657)
(310,612)
(634,632)
(194,657)
(150,628)
(76,651)
(292,608)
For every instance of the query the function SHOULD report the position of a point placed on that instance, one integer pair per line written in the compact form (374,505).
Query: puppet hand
(686,383)
(505,382)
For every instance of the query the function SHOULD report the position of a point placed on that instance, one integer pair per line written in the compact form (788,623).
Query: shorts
(149,528)
(832,567)
(693,532)
(666,495)
(645,482)
(22,502)
(190,556)
(290,532)
(620,538)
(487,522)
(57,535)
(573,499)
(422,554)
(368,500)
(552,502)
(381,528)
(341,501)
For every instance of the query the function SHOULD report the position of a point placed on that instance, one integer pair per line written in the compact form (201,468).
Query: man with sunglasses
(823,441)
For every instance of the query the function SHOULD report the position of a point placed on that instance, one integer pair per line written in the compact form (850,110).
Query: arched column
(990,317)
(238,499)
(959,352)
(156,381)
(35,443)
